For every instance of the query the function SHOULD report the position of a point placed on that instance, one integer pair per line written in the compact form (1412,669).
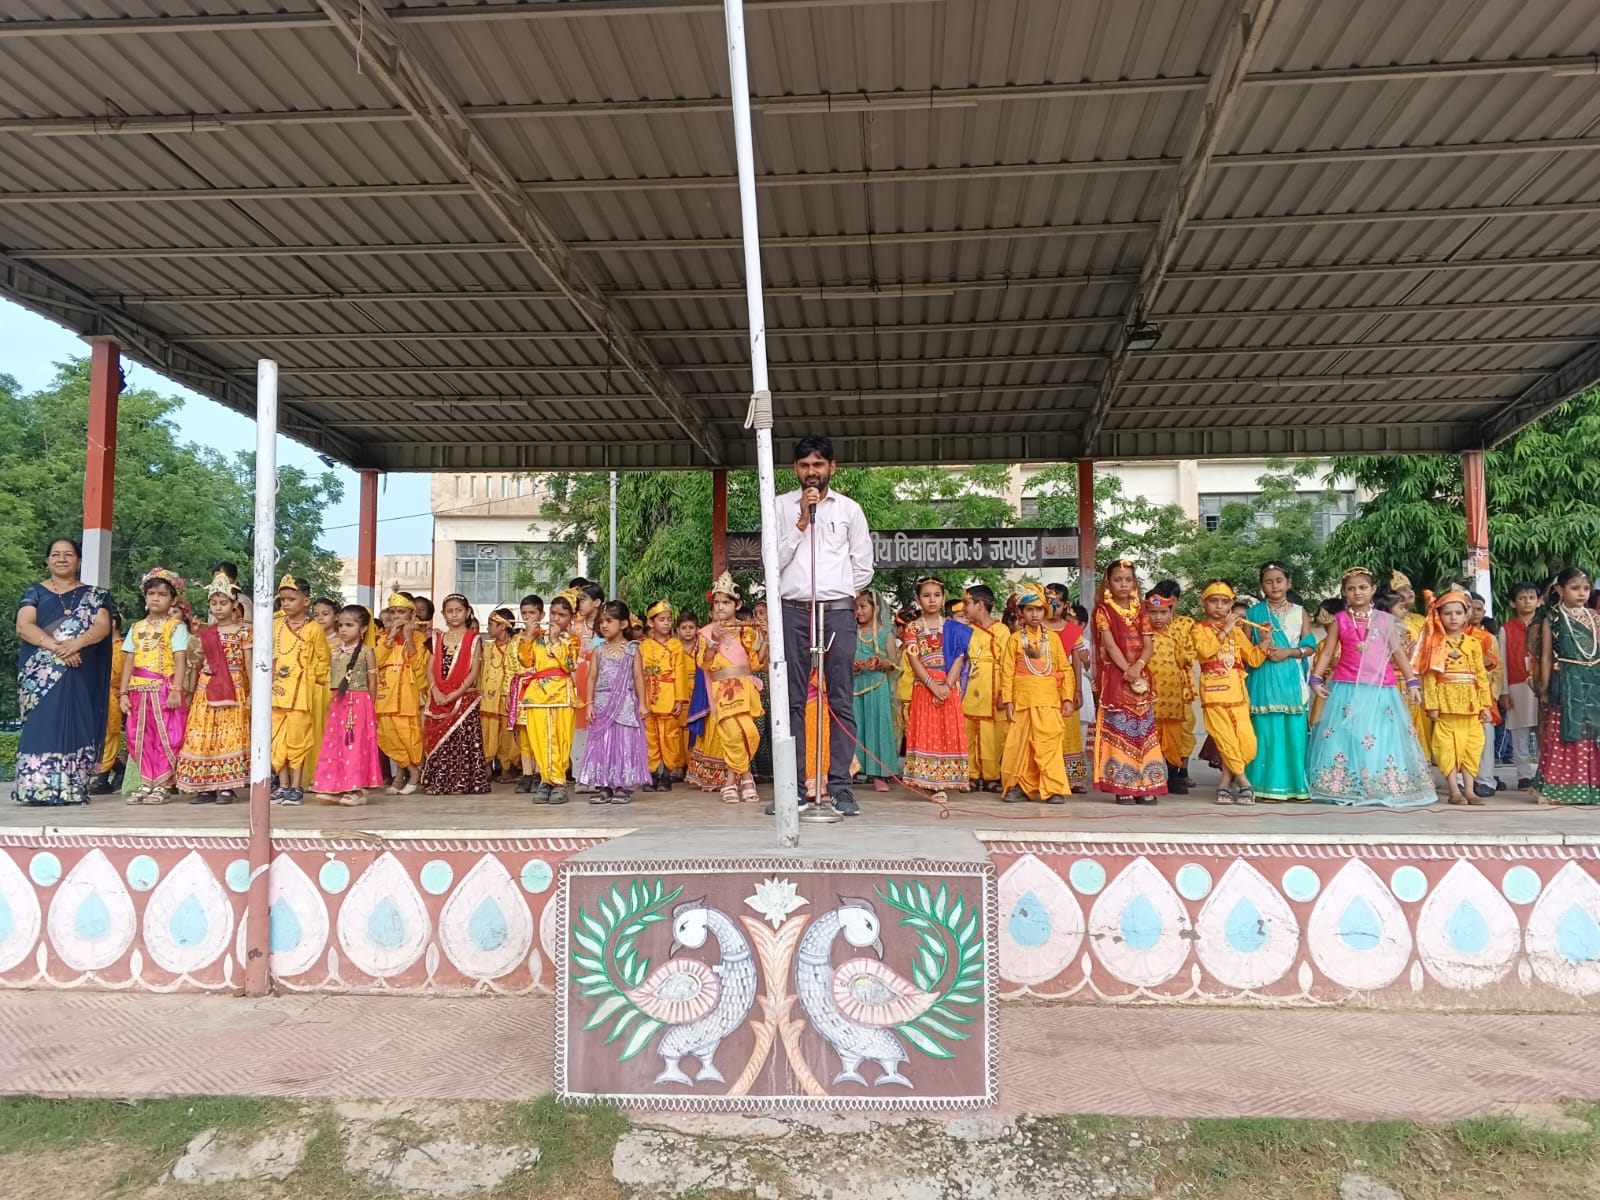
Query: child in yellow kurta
(688,631)
(730,655)
(544,703)
(980,666)
(299,675)
(1456,693)
(1038,690)
(1172,669)
(905,684)
(1224,653)
(112,749)
(402,662)
(661,656)
(494,681)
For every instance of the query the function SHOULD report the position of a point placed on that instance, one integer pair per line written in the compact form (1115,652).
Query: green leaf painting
(948,960)
(607,964)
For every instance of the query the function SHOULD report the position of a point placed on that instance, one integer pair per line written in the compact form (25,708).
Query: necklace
(1127,611)
(1572,618)
(1031,652)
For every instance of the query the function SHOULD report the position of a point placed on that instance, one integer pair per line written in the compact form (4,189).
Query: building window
(1340,508)
(1030,508)
(487,572)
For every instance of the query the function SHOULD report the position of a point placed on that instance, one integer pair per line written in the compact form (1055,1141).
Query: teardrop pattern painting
(1358,934)
(1041,924)
(19,914)
(1247,936)
(92,922)
(1139,928)
(485,927)
(384,925)
(1467,935)
(189,919)
(1563,936)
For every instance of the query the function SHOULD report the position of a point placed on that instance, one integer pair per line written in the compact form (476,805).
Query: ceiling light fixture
(1141,335)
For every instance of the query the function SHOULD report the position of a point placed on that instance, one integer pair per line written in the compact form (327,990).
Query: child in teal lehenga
(1278,690)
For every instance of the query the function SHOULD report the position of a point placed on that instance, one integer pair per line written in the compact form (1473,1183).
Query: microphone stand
(821,810)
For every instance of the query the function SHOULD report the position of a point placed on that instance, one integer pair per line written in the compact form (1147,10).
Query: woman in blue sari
(64,683)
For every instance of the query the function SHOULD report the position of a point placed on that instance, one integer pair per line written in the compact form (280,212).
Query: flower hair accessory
(171,578)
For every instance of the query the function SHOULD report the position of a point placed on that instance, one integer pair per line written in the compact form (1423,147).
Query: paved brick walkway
(1055,1059)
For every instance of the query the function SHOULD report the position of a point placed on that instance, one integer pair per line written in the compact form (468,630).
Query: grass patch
(1270,1159)
(575,1144)
(154,1126)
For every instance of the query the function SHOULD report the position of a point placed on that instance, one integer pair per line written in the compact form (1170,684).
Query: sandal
(157,796)
(747,792)
(730,794)
(1247,795)
(353,799)
(1224,796)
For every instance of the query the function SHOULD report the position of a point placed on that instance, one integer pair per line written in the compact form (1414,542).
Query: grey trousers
(840,635)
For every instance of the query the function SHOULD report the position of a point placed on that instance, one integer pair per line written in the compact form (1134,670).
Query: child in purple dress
(616,761)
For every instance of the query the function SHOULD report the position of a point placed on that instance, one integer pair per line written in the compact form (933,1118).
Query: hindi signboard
(944,549)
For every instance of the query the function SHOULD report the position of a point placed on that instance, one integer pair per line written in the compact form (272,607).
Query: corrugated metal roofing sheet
(1391,250)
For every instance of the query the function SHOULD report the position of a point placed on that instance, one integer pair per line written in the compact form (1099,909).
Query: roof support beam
(396,68)
(1577,374)
(1244,26)
(976,328)
(59,300)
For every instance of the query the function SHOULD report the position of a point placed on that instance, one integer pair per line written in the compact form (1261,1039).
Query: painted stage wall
(164,913)
(1514,926)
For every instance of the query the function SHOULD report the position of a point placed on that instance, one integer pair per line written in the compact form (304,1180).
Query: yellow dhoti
(986,748)
(737,739)
(1234,736)
(113,743)
(292,735)
(1177,740)
(546,737)
(663,742)
(1457,743)
(1034,754)
(400,738)
(499,743)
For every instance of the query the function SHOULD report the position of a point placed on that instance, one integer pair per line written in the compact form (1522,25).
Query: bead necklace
(1042,650)
(1575,617)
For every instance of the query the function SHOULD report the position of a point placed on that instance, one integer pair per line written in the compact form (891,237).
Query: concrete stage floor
(1512,817)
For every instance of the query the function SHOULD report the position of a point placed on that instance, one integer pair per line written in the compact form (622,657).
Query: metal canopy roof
(504,235)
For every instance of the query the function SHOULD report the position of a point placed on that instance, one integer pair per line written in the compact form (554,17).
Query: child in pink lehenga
(347,764)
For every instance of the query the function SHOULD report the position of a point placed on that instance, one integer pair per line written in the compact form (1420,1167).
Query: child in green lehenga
(1278,690)
(876,671)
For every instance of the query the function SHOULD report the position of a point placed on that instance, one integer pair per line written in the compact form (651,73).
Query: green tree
(664,524)
(1126,526)
(1278,524)
(1543,500)
(178,505)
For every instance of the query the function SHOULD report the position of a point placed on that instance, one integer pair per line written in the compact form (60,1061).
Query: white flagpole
(783,765)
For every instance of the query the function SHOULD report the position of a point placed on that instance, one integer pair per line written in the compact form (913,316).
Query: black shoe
(1178,784)
(804,803)
(558,795)
(1056,800)
(524,785)
(1014,796)
(203,798)
(118,774)
(1500,785)
(845,805)
(226,796)
(1482,792)
(100,785)
(541,794)
(1524,784)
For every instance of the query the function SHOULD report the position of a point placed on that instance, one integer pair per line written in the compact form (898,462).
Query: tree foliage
(1543,500)
(664,524)
(1278,524)
(1126,526)
(177,504)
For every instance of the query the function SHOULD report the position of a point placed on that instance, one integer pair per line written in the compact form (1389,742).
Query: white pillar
(784,779)
(257,931)
(611,589)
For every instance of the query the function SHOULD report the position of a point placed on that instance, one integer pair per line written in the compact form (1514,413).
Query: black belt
(824,605)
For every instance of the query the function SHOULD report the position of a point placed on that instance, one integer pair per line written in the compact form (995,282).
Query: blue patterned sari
(63,708)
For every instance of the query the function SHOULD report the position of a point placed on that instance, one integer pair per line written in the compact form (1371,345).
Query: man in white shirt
(824,551)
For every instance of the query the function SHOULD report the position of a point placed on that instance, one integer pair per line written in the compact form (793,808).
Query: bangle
(1414,683)
(1316,681)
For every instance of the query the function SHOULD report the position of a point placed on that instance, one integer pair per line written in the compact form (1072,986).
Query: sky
(31,346)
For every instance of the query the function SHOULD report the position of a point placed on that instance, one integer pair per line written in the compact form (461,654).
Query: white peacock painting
(698,1004)
(868,1012)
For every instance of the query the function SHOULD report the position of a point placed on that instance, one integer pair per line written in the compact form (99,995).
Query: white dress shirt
(844,549)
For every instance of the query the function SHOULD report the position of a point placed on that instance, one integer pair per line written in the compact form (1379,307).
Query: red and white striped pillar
(367,543)
(100,467)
